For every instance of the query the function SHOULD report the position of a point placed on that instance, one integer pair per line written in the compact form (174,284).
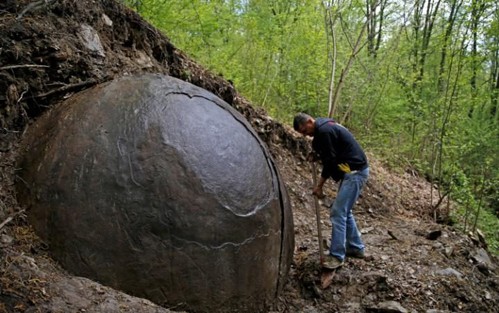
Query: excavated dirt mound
(51,49)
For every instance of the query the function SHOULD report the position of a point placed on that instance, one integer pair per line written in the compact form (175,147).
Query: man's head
(304,124)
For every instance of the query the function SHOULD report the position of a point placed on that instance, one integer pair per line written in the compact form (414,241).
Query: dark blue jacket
(336,145)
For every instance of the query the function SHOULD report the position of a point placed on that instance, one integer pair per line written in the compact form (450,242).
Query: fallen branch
(392,235)
(10,218)
(33,7)
(67,88)
(9,67)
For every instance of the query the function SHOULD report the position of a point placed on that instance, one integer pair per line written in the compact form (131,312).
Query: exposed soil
(48,52)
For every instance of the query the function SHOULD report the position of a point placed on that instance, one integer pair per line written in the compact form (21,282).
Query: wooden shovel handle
(317,216)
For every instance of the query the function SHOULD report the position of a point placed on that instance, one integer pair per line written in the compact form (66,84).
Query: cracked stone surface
(158,188)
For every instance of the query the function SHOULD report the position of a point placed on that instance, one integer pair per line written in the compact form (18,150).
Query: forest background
(416,81)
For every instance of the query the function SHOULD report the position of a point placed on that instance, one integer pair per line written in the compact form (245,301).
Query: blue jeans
(345,235)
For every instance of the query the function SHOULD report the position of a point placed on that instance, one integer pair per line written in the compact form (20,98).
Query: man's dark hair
(300,119)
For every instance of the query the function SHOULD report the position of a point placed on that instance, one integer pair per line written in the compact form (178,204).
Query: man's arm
(318,189)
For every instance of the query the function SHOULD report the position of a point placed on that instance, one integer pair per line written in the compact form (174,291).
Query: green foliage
(489,225)
(464,193)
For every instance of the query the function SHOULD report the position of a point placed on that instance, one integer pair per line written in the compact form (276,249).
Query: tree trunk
(329,24)
(375,13)
(477,10)
(355,50)
(455,5)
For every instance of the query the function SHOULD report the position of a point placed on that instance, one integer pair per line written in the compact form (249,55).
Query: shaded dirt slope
(49,51)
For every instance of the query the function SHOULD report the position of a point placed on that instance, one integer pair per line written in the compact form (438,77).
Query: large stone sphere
(158,188)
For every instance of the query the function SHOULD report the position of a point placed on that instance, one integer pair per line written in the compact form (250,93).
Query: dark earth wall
(157,187)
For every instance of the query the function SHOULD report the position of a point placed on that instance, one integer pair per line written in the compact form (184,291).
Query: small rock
(371,297)
(438,245)
(481,257)
(6,240)
(143,60)
(107,20)
(91,40)
(450,272)
(487,295)
(449,251)
(390,307)
(366,230)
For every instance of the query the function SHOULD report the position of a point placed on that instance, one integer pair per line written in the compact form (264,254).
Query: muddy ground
(49,51)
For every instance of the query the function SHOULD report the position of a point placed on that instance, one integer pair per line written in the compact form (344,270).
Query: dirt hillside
(51,49)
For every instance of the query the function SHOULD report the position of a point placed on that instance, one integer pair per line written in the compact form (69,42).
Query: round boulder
(158,188)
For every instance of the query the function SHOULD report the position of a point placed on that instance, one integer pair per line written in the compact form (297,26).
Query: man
(343,160)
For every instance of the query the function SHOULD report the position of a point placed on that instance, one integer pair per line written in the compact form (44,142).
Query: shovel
(317,216)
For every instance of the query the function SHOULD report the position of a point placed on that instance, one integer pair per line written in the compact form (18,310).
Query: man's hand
(344,167)
(318,192)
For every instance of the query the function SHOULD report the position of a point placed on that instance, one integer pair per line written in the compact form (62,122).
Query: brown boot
(357,254)
(331,262)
